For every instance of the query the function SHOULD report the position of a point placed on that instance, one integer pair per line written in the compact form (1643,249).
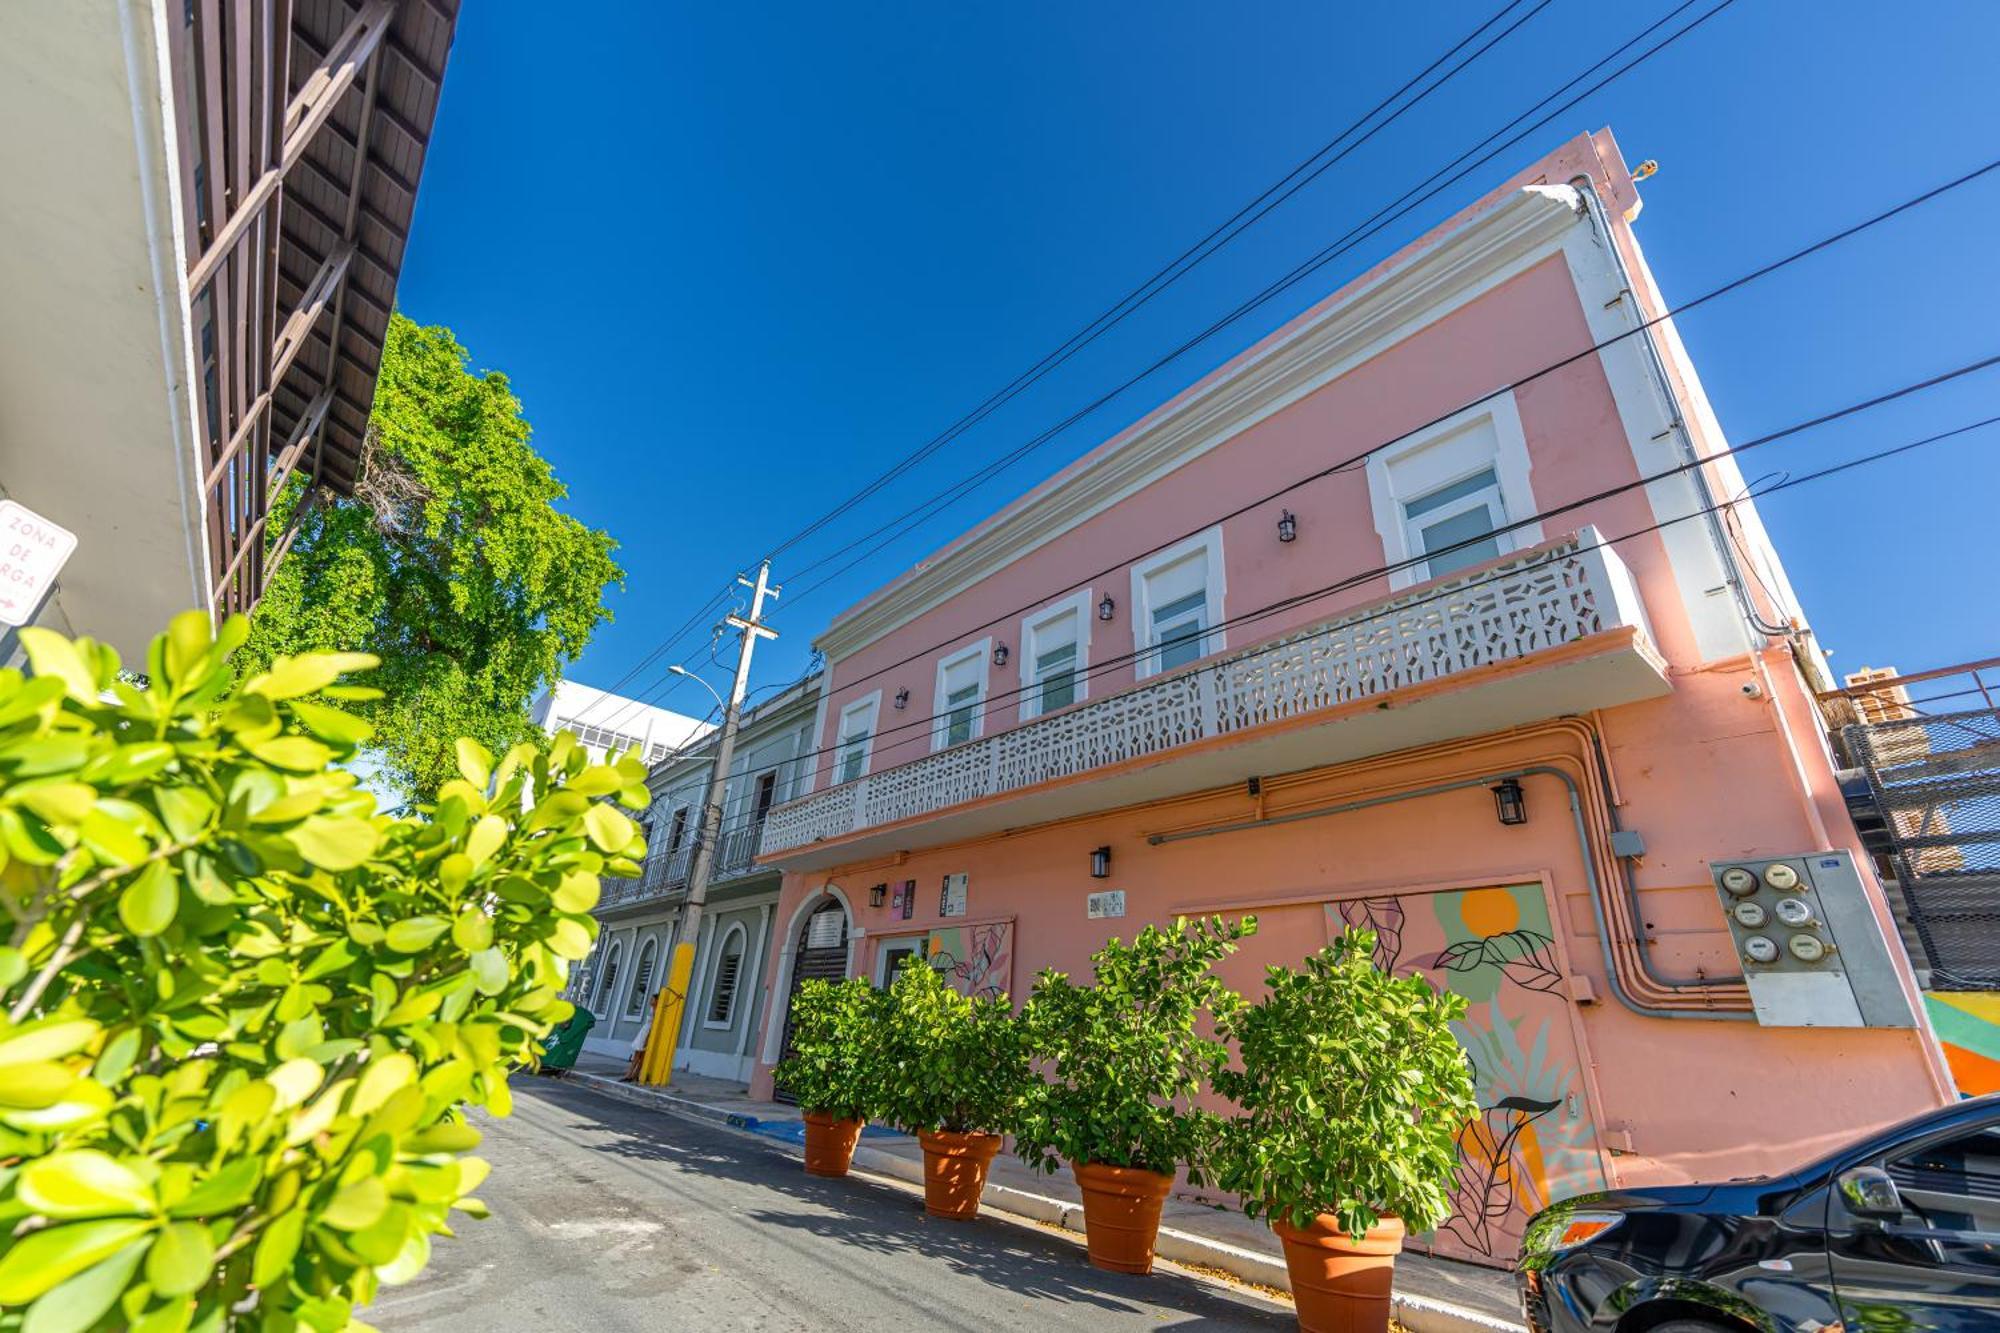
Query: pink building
(1377,623)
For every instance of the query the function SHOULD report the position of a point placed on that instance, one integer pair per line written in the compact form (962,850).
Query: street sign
(32,552)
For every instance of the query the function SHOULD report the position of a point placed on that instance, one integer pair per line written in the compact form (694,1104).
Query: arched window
(642,978)
(723,982)
(607,981)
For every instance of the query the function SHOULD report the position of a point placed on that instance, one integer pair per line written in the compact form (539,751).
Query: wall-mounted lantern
(876,894)
(902,700)
(1100,863)
(1509,802)
(1106,607)
(999,654)
(1288,527)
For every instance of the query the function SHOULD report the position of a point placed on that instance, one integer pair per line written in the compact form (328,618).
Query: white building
(604,722)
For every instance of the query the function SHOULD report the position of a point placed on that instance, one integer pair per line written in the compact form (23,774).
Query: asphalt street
(608,1216)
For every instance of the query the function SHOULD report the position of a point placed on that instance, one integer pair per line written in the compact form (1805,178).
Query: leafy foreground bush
(241,1009)
(946,1061)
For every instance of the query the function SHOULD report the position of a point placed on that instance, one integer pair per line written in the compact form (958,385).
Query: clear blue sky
(737,259)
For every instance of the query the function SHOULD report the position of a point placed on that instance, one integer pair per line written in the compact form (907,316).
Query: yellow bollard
(657,1069)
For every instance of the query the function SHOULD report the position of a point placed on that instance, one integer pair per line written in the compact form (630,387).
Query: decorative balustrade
(1548,595)
(664,875)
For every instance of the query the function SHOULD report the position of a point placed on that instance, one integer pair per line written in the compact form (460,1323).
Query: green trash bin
(561,1047)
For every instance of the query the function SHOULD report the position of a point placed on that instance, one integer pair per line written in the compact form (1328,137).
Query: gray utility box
(1811,946)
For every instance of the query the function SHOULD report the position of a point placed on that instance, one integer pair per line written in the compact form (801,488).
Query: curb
(1419,1314)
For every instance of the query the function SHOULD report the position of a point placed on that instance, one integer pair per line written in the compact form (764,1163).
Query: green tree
(450,563)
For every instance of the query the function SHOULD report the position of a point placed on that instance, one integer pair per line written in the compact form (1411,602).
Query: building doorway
(821,956)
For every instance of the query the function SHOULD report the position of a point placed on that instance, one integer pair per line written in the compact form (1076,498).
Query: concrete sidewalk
(1432,1295)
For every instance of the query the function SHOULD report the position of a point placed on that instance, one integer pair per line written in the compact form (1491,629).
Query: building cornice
(1315,349)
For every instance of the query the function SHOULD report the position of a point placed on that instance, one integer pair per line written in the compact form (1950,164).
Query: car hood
(1644,1197)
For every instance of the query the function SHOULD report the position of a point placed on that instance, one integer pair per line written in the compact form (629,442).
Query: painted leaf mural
(976,960)
(1535,1141)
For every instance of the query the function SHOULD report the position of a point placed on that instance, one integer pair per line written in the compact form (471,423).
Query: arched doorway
(821,955)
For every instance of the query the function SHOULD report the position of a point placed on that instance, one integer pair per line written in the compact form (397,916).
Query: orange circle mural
(1489,912)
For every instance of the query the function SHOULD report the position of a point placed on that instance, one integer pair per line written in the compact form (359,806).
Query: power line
(1369,227)
(1284,188)
(1641,327)
(1363,576)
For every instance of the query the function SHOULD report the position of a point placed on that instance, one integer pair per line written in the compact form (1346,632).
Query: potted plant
(1123,1061)
(1351,1097)
(828,1068)
(952,1070)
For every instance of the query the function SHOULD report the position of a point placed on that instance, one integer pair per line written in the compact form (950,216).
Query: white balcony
(1435,663)
(664,874)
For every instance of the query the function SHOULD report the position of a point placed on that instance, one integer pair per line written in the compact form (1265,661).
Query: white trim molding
(1350,328)
(1444,453)
(980,655)
(1077,605)
(1206,546)
(872,704)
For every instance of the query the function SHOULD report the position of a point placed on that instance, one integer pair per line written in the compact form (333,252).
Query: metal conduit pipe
(1630,947)
(1613,973)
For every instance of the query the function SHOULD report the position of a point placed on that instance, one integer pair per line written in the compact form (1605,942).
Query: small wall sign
(896,897)
(951,901)
(32,552)
(909,892)
(1111,902)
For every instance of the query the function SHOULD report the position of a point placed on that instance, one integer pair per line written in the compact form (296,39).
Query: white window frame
(871,704)
(1214,639)
(882,949)
(632,988)
(602,1003)
(1077,604)
(715,974)
(1454,457)
(981,655)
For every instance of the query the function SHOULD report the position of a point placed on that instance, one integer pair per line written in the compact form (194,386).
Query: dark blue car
(1898,1233)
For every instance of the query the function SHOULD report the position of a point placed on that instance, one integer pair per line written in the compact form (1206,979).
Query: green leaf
(83,1183)
(184,810)
(475,762)
(608,828)
(485,839)
(32,1084)
(472,930)
(489,971)
(148,903)
(356,1206)
(570,939)
(41,1259)
(308,673)
(49,1039)
(77,1304)
(113,837)
(277,1247)
(228,1189)
(294,1081)
(300,754)
(447,1136)
(414,934)
(52,655)
(335,842)
(331,724)
(189,637)
(578,892)
(182,1259)
(57,802)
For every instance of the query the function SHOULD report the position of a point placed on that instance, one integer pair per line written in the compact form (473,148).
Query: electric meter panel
(1810,943)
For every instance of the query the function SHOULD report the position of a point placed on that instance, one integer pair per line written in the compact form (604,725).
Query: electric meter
(1739,881)
(1781,877)
(1794,912)
(1750,915)
(1759,949)
(1807,948)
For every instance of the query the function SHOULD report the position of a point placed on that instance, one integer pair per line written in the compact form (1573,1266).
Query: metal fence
(1934,780)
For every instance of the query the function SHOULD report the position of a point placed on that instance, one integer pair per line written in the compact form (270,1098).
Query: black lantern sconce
(1288,527)
(902,700)
(876,894)
(1100,863)
(1106,607)
(1509,802)
(999,654)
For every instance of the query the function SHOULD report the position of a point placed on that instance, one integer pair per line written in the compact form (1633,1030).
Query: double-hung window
(1055,644)
(961,696)
(857,735)
(1177,604)
(1444,497)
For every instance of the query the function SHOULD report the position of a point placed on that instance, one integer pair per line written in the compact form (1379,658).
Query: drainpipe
(1611,969)
(1732,573)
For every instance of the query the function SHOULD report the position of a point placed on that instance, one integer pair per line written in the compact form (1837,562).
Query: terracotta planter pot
(1341,1285)
(955,1171)
(1121,1214)
(829,1143)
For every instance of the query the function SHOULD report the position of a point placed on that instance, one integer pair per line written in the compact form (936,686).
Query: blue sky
(738,259)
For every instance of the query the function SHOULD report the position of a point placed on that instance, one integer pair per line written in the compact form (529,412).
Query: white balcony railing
(665,874)
(1543,597)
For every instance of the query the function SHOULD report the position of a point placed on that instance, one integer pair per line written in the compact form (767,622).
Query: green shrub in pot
(945,1061)
(829,1067)
(1351,1094)
(1124,1059)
